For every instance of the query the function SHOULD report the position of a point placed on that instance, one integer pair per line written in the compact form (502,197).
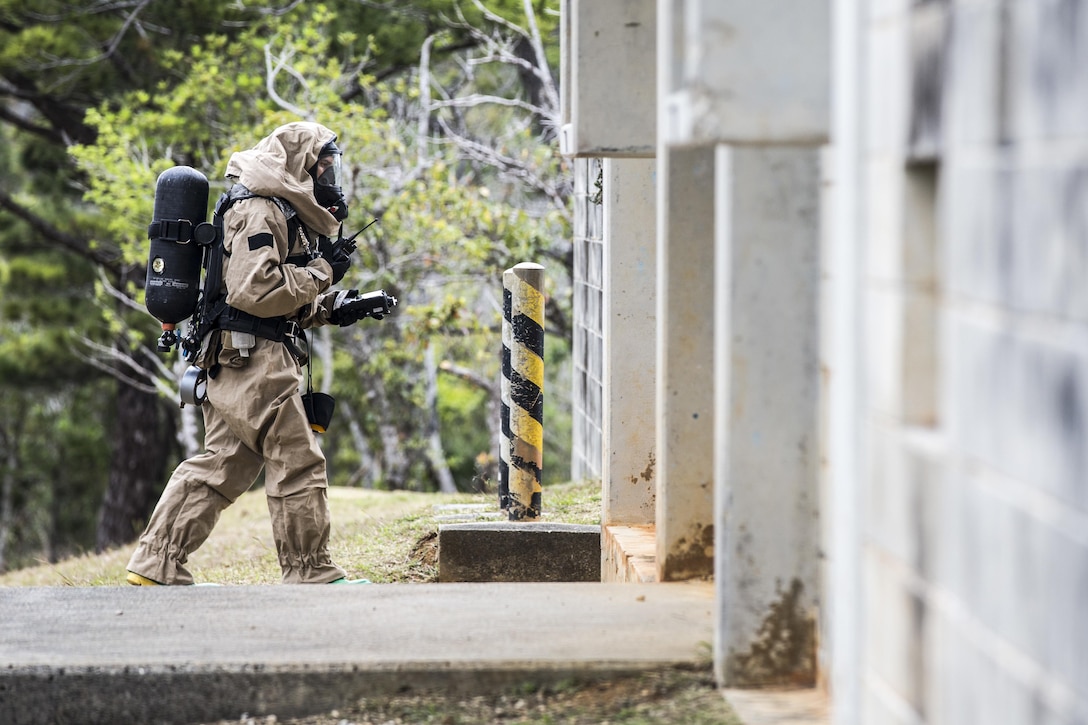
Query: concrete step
(629,553)
(523,551)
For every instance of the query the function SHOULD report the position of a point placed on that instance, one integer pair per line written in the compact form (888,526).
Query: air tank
(172,286)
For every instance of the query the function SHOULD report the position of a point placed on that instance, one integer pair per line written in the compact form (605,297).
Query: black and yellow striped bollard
(521,459)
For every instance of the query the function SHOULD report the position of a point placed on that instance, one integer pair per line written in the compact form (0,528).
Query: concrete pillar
(843,338)
(607,66)
(685,356)
(630,280)
(767,392)
(739,71)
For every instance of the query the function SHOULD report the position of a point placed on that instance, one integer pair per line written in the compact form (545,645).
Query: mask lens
(332,173)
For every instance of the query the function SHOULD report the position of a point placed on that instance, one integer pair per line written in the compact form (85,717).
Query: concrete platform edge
(165,694)
(780,706)
(204,654)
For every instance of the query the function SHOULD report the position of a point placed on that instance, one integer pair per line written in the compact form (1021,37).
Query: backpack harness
(213,312)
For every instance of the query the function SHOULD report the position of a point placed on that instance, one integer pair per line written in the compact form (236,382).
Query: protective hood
(279,166)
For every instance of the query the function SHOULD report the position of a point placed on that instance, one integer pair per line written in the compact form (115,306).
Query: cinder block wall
(975,503)
(587,369)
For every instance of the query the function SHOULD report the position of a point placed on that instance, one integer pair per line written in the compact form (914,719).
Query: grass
(383,536)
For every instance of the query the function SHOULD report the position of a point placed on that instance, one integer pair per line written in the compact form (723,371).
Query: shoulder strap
(209,305)
(238,192)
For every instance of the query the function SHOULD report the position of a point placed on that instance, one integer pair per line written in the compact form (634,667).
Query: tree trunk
(363,475)
(531,83)
(140,454)
(394,461)
(7,493)
(436,454)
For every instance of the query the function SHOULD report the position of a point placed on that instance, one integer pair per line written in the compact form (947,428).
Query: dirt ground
(675,697)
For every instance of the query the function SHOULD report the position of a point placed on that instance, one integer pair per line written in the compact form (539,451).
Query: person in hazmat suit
(278,266)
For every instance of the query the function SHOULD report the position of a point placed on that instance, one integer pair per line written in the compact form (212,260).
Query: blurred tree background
(447,111)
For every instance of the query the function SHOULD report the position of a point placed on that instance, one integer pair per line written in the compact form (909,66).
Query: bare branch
(469,376)
(480,99)
(512,167)
(498,19)
(271,12)
(22,123)
(163,371)
(501,56)
(272,70)
(541,69)
(111,47)
(105,354)
(116,293)
(425,105)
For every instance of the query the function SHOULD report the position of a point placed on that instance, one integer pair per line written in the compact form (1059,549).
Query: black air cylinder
(173,263)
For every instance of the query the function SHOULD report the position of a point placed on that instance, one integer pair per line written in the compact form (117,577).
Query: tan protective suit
(254,416)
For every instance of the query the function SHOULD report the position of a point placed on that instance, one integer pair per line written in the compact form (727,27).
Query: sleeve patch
(257,241)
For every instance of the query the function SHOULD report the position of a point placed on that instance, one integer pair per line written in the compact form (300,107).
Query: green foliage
(463,410)
(191,83)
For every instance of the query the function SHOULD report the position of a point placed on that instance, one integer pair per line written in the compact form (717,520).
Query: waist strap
(270,328)
(276,329)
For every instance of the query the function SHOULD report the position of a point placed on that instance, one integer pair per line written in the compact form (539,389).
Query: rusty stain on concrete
(692,559)
(783,651)
(647,473)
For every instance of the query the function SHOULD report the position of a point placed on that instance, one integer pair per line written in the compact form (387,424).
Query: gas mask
(327,175)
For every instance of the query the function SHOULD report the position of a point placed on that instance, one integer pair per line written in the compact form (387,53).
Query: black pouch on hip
(319,407)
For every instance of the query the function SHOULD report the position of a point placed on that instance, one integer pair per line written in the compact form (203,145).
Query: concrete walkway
(191,654)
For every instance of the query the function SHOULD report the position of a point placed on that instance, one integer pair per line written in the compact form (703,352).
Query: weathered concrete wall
(975,499)
(956,344)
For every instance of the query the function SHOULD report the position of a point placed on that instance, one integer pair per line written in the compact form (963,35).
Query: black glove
(335,254)
(349,306)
